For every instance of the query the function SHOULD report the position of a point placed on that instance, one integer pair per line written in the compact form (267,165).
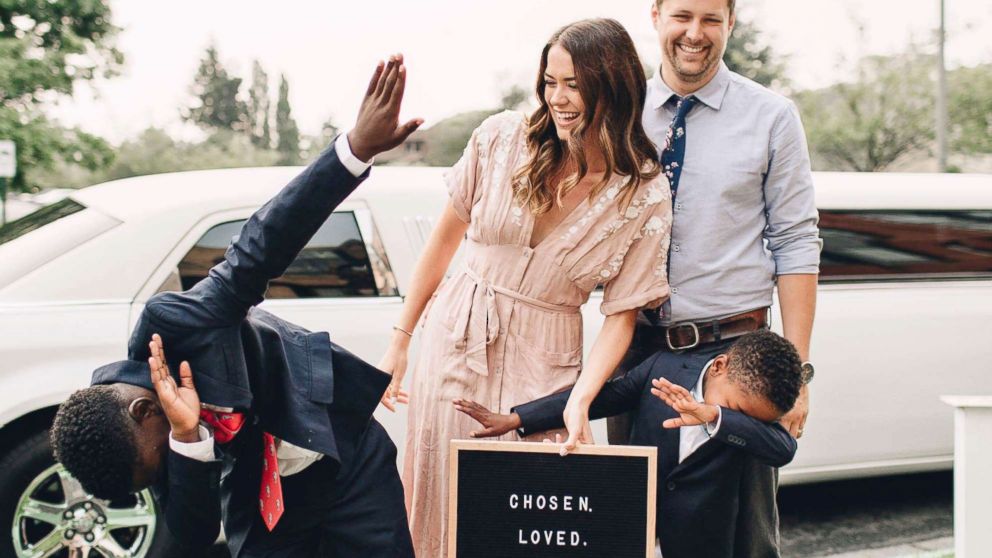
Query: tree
(970,92)
(217,105)
(45,47)
(749,55)
(513,96)
(289,134)
(449,137)
(311,146)
(258,107)
(867,124)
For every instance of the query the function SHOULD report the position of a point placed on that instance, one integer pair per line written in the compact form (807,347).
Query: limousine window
(335,263)
(874,245)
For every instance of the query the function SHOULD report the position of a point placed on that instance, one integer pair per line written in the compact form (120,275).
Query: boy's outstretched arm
(275,234)
(617,396)
(770,444)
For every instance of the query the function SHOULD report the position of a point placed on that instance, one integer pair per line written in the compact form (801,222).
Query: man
(733,400)
(744,218)
(302,468)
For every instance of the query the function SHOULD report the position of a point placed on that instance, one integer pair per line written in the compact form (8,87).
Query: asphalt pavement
(865,516)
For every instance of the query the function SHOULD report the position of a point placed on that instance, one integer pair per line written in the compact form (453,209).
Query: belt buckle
(695,335)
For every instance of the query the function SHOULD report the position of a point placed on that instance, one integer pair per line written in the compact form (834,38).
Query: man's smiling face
(693,36)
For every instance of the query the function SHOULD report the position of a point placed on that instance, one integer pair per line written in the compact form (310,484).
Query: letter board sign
(524,500)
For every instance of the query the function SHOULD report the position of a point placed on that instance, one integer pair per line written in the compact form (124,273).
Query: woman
(553,206)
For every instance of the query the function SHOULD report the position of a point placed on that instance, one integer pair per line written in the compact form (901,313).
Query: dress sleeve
(465,178)
(641,280)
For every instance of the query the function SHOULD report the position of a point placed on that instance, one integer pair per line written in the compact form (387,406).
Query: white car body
(884,350)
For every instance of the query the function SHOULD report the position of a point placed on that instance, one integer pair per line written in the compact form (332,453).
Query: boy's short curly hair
(768,365)
(93,439)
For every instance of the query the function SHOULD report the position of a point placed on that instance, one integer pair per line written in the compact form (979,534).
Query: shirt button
(676,248)
(671,486)
(675,290)
(678,207)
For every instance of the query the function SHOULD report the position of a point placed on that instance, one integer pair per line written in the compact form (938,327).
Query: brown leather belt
(687,335)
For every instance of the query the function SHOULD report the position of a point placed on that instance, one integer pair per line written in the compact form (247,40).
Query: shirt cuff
(200,451)
(355,166)
(713,427)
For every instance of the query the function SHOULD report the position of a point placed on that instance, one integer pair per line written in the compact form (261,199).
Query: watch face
(807,372)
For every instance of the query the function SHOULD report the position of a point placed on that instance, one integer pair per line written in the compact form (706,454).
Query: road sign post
(8,169)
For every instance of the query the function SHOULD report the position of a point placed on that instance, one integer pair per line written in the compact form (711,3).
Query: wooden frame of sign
(458,446)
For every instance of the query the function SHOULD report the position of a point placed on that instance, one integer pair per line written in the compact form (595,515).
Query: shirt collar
(711,94)
(697,390)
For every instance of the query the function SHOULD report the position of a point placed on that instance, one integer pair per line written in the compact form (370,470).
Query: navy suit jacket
(294,384)
(697,502)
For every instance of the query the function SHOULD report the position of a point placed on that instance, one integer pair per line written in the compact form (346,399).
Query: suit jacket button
(671,486)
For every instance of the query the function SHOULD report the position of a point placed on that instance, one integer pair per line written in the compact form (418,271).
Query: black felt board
(611,505)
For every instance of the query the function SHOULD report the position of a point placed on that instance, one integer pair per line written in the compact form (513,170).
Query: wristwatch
(807,372)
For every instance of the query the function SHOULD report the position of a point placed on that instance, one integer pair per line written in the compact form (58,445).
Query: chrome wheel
(56,517)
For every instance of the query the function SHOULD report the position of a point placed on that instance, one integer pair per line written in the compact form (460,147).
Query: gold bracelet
(398,328)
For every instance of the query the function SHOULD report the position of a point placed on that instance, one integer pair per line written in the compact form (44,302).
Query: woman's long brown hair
(612,84)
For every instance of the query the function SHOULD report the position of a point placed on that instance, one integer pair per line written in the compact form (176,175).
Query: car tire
(29,465)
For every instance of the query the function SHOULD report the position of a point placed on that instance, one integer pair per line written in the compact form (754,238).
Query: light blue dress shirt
(745,211)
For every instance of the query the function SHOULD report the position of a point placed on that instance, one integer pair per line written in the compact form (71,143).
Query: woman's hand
(577,423)
(394,362)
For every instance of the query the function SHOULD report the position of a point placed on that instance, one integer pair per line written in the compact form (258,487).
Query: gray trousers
(757,518)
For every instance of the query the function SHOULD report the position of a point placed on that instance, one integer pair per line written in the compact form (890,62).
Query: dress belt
(479,322)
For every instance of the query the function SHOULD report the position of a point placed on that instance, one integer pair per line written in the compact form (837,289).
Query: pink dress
(506,329)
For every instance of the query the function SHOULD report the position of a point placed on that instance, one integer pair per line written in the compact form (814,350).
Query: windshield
(36,239)
(38,219)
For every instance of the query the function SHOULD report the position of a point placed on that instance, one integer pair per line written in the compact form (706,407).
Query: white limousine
(904,305)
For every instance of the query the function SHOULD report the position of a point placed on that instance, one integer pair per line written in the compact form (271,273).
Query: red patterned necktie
(226,426)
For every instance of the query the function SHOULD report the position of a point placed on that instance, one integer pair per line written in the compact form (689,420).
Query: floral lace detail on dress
(609,194)
(655,195)
(495,137)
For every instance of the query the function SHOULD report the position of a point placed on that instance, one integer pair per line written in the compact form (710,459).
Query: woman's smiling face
(561,92)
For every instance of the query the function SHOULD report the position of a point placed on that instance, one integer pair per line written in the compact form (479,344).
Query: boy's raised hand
(377,128)
(180,403)
(493,424)
(691,412)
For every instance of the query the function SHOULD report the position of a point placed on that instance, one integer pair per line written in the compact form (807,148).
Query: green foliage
(749,55)
(883,113)
(216,105)
(311,146)
(43,145)
(258,107)
(45,47)
(154,151)
(448,138)
(289,134)
(513,96)
(970,109)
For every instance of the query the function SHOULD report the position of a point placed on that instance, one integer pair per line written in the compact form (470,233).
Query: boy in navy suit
(704,417)
(293,463)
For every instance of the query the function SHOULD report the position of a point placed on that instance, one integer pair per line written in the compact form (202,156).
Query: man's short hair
(767,364)
(730,4)
(92,438)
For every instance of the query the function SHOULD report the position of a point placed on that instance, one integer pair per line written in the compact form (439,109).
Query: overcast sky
(460,53)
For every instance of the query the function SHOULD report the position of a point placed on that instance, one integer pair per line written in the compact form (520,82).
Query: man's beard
(692,77)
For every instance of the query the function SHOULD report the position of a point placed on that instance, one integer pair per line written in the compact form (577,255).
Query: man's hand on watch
(378,129)
(795,420)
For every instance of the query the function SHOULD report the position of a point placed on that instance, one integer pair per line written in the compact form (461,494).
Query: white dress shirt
(691,437)
(292,459)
